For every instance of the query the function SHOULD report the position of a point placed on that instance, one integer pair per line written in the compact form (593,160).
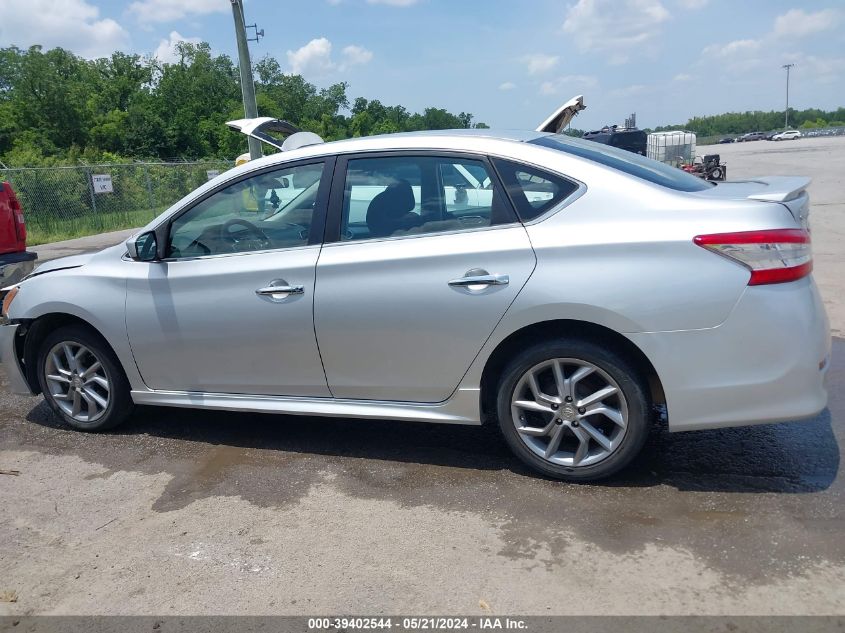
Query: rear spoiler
(259,127)
(780,188)
(561,117)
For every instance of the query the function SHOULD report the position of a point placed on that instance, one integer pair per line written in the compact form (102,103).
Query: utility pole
(247,82)
(786,112)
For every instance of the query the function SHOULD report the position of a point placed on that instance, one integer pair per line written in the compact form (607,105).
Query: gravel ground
(183,512)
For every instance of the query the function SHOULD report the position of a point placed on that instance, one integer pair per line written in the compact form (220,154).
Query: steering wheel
(301,230)
(258,236)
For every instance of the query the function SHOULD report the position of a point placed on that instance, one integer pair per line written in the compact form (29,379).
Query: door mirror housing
(143,248)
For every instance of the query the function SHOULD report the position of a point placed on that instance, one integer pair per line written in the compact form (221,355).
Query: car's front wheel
(82,380)
(573,409)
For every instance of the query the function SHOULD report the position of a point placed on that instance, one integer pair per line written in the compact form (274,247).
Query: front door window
(267,211)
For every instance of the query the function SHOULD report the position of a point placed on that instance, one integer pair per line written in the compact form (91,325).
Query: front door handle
(279,289)
(480,278)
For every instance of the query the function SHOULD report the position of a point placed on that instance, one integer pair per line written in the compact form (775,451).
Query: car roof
(468,139)
(437,138)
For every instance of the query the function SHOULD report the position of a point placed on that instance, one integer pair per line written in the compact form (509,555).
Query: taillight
(773,257)
(17,211)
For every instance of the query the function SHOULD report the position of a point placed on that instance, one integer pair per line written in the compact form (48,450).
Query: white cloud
(693,4)
(797,23)
(315,58)
(394,3)
(628,91)
(823,70)
(568,84)
(508,85)
(355,55)
(747,55)
(683,77)
(166,51)
(540,63)
(171,10)
(72,24)
(615,28)
(732,49)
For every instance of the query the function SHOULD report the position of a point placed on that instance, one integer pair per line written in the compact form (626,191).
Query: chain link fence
(66,202)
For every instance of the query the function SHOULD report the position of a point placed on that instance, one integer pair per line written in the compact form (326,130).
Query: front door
(425,263)
(230,309)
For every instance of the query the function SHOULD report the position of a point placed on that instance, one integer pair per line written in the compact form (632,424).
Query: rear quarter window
(533,191)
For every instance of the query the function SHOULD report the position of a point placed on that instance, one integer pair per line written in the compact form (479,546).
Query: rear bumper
(766,363)
(16,266)
(11,373)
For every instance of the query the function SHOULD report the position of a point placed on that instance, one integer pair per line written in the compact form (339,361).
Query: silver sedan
(566,291)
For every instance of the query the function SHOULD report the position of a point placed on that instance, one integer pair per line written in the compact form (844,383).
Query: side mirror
(143,248)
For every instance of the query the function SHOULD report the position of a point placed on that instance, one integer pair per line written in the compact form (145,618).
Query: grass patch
(59,230)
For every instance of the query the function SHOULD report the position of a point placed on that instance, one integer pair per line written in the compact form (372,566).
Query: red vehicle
(708,167)
(15,261)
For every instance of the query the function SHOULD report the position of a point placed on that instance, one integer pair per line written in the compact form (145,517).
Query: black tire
(120,401)
(632,385)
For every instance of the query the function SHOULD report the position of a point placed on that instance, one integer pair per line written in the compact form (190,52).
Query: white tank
(674,147)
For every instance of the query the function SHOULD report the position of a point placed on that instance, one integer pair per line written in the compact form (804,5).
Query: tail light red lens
(773,257)
(17,210)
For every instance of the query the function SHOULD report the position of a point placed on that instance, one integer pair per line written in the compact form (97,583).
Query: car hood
(560,118)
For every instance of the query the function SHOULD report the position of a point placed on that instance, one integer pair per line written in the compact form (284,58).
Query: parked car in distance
(727,139)
(15,261)
(464,277)
(788,135)
(752,136)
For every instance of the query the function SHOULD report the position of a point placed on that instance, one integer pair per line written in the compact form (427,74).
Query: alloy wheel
(569,412)
(77,381)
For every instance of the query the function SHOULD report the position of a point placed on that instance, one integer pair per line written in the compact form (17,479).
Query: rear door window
(397,196)
(533,191)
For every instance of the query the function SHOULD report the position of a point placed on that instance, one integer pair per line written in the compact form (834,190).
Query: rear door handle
(480,280)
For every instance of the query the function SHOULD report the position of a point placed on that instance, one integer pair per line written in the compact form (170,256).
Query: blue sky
(508,62)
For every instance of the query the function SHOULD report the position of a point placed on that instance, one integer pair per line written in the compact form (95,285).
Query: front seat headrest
(385,212)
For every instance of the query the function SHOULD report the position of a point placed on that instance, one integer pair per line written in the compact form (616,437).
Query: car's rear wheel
(82,380)
(573,410)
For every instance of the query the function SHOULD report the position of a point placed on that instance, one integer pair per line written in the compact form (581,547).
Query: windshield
(628,162)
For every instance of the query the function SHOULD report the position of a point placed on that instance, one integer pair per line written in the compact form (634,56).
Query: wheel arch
(36,330)
(563,328)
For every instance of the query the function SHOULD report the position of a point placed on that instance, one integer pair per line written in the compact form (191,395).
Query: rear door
(419,267)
